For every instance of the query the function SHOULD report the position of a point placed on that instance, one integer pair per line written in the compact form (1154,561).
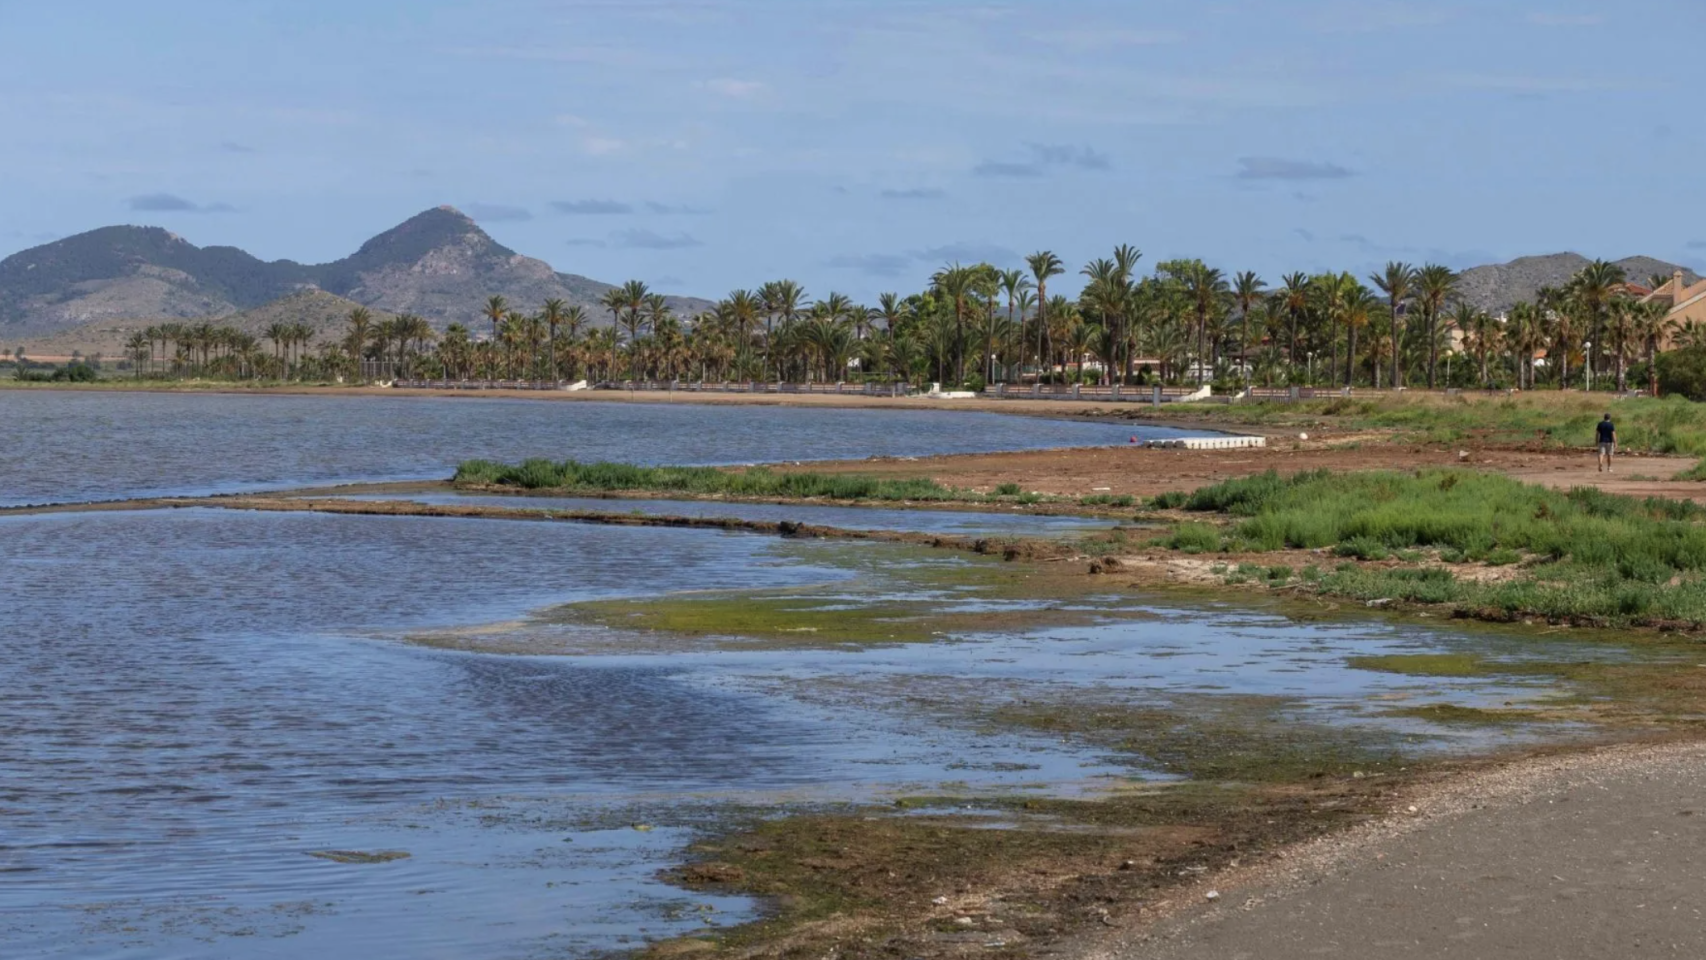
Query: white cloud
(1565,19)
(1517,83)
(1375,16)
(732,88)
(603,146)
(1090,38)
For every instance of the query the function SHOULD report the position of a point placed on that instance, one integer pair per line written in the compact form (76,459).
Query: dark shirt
(1607,432)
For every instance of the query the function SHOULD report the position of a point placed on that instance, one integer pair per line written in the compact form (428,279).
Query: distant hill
(1496,287)
(325,312)
(438,264)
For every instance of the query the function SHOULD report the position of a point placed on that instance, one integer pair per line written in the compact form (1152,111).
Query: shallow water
(67,446)
(960,522)
(197,700)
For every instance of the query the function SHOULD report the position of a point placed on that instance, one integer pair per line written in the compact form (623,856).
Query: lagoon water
(197,702)
(66,446)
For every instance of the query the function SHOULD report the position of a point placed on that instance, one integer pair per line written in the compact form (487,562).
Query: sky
(858,146)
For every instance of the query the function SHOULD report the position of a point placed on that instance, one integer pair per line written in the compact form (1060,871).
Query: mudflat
(1598,854)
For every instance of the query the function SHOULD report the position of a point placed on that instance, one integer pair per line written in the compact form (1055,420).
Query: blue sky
(856,146)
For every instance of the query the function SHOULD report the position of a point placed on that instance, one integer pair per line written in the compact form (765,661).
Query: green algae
(896,595)
(1454,714)
(1431,664)
(359,856)
(1212,737)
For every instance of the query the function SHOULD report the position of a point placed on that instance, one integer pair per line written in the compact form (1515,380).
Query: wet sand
(1599,854)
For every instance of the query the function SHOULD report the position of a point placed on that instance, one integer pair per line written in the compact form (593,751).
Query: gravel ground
(1591,855)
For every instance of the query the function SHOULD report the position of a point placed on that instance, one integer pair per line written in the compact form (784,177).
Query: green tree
(1044,265)
(1396,282)
(1436,286)
(1247,291)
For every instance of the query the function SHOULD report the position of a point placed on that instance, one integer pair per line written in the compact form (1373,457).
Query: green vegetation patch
(1242,739)
(1671,425)
(1451,713)
(878,882)
(1583,554)
(757,482)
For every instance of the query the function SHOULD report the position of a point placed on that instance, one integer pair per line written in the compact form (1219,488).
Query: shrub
(1683,372)
(1195,538)
(1007,490)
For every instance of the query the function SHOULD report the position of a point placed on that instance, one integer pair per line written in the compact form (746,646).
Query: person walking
(1607,435)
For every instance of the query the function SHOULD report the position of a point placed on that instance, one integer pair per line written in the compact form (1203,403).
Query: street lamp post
(1309,369)
(1587,361)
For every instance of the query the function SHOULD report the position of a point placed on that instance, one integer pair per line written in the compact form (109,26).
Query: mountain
(438,264)
(324,312)
(1496,287)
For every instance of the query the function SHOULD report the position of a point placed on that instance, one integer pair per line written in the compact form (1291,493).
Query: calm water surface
(198,700)
(69,446)
(962,522)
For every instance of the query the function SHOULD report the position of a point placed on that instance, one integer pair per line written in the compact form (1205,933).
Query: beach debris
(1303,436)
(643,827)
(1383,601)
(940,901)
(963,921)
(1412,808)
(1462,456)
(1212,895)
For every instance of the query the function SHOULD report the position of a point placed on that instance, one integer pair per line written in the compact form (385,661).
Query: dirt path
(1594,855)
(1143,472)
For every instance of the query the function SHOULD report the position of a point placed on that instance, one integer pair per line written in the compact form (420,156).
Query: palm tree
(1594,286)
(1436,285)
(1357,308)
(1479,335)
(496,309)
(1395,282)
(1206,289)
(614,300)
(1558,315)
(633,319)
(957,284)
(1655,328)
(780,298)
(360,319)
(1525,333)
(1013,283)
(553,317)
(1295,290)
(1044,264)
(1247,291)
(139,348)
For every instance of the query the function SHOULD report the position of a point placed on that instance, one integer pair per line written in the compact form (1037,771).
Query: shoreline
(1077,410)
(1427,817)
(1257,834)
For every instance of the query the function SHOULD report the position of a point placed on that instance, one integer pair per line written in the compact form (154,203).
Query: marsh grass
(1582,553)
(1671,425)
(604,477)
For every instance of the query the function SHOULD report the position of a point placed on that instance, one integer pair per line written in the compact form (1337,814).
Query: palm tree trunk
(1395,338)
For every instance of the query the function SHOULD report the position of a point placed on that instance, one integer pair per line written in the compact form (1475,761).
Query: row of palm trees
(1184,321)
